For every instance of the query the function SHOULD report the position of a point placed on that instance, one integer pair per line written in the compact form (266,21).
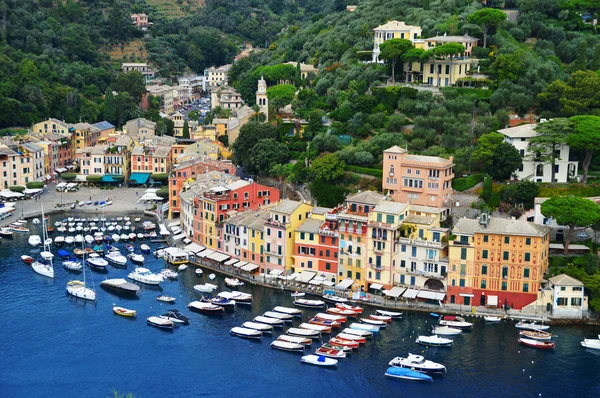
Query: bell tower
(261,97)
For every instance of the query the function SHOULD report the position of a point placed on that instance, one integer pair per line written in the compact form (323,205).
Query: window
(528,241)
(484,269)
(461,282)
(577,288)
(505,272)
(389,219)
(562,301)
(377,275)
(525,287)
(576,301)
(503,285)
(526,273)
(507,240)
(527,256)
(484,254)
(483,284)
(463,269)
(310,264)
(505,255)
(349,274)
(463,253)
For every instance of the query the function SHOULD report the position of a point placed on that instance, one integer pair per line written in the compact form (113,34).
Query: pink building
(416,179)
(140,20)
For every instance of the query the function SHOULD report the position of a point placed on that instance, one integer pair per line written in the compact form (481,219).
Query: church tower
(261,97)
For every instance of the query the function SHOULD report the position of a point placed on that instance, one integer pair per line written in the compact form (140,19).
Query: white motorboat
(124,237)
(455,322)
(358,332)
(72,265)
(79,239)
(298,294)
(591,343)
(34,240)
(233,282)
(364,326)
(143,275)
(433,341)
(169,274)
(492,319)
(35,221)
(319,360)
(116,237)
(160,323)
(309,303)
(140,236)
(165,299)
(278,315)
(48,242)
(288,310)
(6,232)
(59,240)
(239,297)
(446,331)
(278,323)
(89,239)
(79,290)
(389,313)
(418,363)
(182,267)
(318,328)
(373,322)
(97,262)
(116,258)
(314,334)
(206,308)
(205,288)
(110,228)
(295,339)
(334,299)
(69,240)
(263,327)
(212,277)
(531,326)
(145,249)
(131,236)
(137,259)
(246,333)
(198,272)
(287,346)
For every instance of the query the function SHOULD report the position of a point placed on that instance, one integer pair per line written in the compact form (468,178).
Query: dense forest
(53,60)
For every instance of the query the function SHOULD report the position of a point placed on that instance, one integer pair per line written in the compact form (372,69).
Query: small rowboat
(274,322)
(492,318)
(364,326)
(351,337)
(380,318)
(259,326)
(309,303)
(313,334)
(344,343)
(246,333)
(357,332)
(287,346)
(324,322)
(205,308)
(332,346)
(288,311)
(319,328)
(278,315)
(356,309)
(407,374)
(537,343)
(182,267)
(298,294)
(124,311)
(389,313)
(198,272)
(160,323)
(330,317)
(319,360)
(337,311)
(165,299)
(530,334)
(373,322)
(295,339)
(531,326)
(27,259)
(331,353)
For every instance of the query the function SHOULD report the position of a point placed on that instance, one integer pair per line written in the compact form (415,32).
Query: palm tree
(258,115)
(364,33)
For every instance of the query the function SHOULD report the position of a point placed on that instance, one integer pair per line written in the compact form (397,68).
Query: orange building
(497,262)
(416,179)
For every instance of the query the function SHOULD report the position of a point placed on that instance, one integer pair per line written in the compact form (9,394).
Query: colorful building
(417,179)
(243,236)
(10,171)
(496,262)
(51,126)
(353,227)
(395,30)
(284,219)
(85,135)
(140,129)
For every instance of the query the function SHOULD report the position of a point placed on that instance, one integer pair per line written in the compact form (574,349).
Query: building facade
(395,30)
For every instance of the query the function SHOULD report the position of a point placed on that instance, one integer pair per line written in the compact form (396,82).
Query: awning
(466,295)
(249,267)
(187,241)
(60,170)
(345,284)
(306,276)
(194,248)
(276,272)
(81,178)
(429,295)
(410,293)
(107,178)
(240,264)
(11,194)
(31,191)
(294,276)
(218,257)
(315,282)
(376,286)
(173,224)
(492,301)
(328,283)
(231,261)
(139,178)
(178,237)
(205,253)
(395,292)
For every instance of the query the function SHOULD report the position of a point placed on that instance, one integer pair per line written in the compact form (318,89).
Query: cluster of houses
(398,244)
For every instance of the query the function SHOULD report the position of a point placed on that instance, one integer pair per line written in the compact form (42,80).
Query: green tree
(497,158)
(250,134)
(579,95)
(410,56)
(327,167)
(326,143)
(487,145)
(585,137)
(364,33)
(264,155)
(487,18)
(186,130)
(487,190)
(326,194)
(133,83)
(110,106)
(551,135)
(525,192)
(257,115)
(573,212)
(281,95)
(449,50)
(392,51)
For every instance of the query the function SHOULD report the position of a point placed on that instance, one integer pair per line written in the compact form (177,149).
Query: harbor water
(56,346)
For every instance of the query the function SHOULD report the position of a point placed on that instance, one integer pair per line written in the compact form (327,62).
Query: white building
(394,30)
(568,300)
(215,76)
(519,137)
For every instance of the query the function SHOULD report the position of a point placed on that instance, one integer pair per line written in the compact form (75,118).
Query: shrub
(160,177)
(462,184)
(17,188)
(163,193)
(365,170)
(35,185)
(93,178)
(68,176)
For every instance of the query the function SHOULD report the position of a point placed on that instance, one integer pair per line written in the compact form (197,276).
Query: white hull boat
(358,332)
(318,328)
(287,346)
(389,313)
(34,240)
(43,269)
(446,331)
(160,323)
(69,240)
(278,323)
(380,324)
(418,363)
(143,275)
(295,339)
(205,288)
(137,258)
(313,334)
(531,326)
(591,343)
(73,266)
(456,324)
(182,267)
(278,315)
(168,273)
(319,360)
(79,290)
(116,258)
(262,327)
(434,341)
(287,310)
(246,333)
(309,303)
(492,319)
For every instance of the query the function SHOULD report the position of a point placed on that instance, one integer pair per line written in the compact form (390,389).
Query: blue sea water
(56,346)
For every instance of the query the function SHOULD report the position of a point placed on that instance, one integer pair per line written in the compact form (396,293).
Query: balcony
(422,242)
(328,232)
(276,224)
(377,224)
(375,267)
(461,243)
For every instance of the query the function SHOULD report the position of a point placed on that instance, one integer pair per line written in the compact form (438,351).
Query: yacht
(418,363)
(116,258)
(143,275)
(34,240)
(79,290)
(433,341)
(44,267)
(97,262)
(120,286)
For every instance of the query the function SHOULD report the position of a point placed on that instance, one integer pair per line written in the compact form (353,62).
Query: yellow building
(496,262)
(243,236)
(384,226)
(284,219)
(395,30)
(51,126)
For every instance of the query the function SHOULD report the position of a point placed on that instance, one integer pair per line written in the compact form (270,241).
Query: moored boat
(27,259)
(116,258)
(418,363)
(287,346)
(373,322)
(356,309)
(278,323)
(124,312)
(279,315)
(176,317)
(536,335)
(363,327)
(233,282)
(383,318)
(344,343)
(136,258)
(72,265)
(314,334)
(434,341)
(334,299)
(143,275)
(205,308)
(331,317)
(288,310)
(120,286)
(309,303)
(263,327)
(318,328)
(319,360)
(333,346)
(340,312)
(330,352)
(160,323)
(166,299)
(455,322)
(351,338)
(531,326)
(295,339)
(492,319)
(246,333)
(407,374)
(389,313)
(79,290)
(324,322)
(145,249)
(205,288)
(591,343)
(537,343)
(446,331)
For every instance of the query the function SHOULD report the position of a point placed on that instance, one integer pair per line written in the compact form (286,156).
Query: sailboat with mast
(78,288)
(44,267)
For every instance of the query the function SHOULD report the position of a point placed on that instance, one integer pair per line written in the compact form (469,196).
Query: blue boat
(64,253)
(433,314)
(407,374)
(107,239)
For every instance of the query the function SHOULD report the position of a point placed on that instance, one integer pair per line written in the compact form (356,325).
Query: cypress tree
(110,106)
